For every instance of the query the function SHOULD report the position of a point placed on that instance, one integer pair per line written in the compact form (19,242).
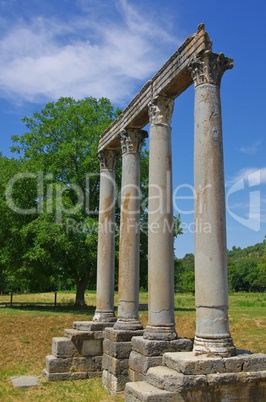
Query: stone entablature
(170,81)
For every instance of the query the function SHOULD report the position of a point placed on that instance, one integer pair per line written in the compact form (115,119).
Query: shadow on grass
(86,310)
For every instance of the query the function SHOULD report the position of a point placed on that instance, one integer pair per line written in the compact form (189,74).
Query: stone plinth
(189,364)
(116,350)
(93,326)
(189,378)
(77,354)
(149,353)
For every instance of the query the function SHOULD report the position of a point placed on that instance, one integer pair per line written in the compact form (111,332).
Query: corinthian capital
(208,68)
(131,140)
(161,110)
(107,159)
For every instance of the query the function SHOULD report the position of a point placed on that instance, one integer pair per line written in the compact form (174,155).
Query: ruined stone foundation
(77,354)
(184,377)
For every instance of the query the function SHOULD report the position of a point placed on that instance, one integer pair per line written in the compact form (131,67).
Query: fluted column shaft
(212,328)
(129,247)
(161,324)
(106,239)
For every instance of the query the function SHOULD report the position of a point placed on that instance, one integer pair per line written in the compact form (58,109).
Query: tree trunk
(80,290)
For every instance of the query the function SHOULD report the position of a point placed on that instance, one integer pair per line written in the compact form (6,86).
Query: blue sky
(110,48)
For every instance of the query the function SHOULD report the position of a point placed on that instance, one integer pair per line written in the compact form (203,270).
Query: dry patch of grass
(28,335)
(26,338)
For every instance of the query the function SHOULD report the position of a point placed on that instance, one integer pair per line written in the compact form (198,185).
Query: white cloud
(253,177)
(45,58)
(252,149)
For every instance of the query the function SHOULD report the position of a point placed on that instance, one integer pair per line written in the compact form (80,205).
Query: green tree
(12,245)
(243,273)
(246,268)
(60,149)
(184,274)
(260,281)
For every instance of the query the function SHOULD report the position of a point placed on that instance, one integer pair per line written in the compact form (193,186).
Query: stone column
(212,328)
(106,239)
(129,248)
(161,323)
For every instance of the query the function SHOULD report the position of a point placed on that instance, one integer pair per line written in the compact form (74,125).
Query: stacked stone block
(78,354)
(116,350)
(189,378)
(149,353)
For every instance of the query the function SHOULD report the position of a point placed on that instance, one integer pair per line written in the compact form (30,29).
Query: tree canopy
(52,194)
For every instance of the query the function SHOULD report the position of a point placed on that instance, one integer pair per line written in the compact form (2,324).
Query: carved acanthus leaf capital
(107,159)
(161,110)
(208,68)
(131,140)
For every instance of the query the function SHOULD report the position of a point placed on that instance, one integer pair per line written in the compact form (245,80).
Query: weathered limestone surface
(114,383)
(140,364)
(114,365)
(129,246)
(24,381)
(143,391)
(149,353)
(121,335)
(76,364)
(161,323)
(91,326)
(212,326)
(116,350)
(78,354)
(75,335)
(69,375)
(106,239)
(189,364)
(149,347)
(189,378)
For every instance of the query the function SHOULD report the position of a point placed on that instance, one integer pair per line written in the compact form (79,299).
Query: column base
(223,347)
(128,325)
(160,333)
(104,316)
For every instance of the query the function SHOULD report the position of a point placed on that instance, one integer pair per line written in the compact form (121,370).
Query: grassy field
(26,333)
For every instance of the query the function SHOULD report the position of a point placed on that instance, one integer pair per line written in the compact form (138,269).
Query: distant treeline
(246,270)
